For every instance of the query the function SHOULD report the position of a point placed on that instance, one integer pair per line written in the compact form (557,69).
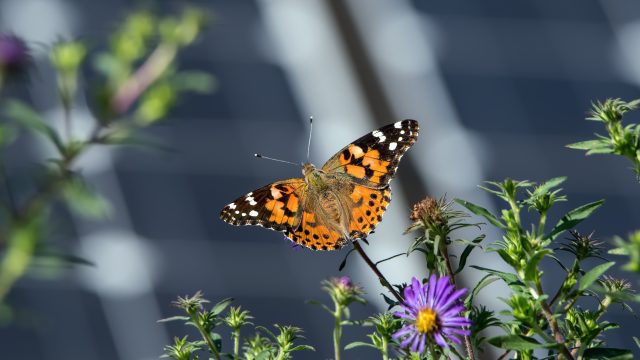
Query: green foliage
(278,346)
(138,58)
(621,139)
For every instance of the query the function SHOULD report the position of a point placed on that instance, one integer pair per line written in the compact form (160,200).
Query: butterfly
(343,201)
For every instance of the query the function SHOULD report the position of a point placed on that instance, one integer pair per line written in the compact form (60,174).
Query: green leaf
(174,318)
(607,353)
(467,251)
(510,279)
(548,185)
(84,201)
(531,270)
(519,343)
(356,344)
(480,211)
(589,144)
(485,281)
(592,275)
(574,217)
(303,347)
(29,118)
(220,306)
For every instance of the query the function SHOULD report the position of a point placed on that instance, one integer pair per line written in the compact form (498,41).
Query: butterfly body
(342,201)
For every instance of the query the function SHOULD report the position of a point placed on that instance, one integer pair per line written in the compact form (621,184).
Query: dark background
(499,88)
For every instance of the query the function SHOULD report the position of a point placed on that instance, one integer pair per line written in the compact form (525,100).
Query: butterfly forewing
(277,206)
(372,160)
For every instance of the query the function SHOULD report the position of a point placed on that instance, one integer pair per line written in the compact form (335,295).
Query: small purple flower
(344,281)
(431,311)
(14,53)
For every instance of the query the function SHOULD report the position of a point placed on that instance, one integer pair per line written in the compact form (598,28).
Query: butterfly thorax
(328,194)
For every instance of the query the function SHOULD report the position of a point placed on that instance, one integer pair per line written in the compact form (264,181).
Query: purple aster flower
(344,281)
(431,312)
(14,53)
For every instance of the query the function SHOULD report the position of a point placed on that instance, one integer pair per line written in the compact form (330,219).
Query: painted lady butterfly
(342,201)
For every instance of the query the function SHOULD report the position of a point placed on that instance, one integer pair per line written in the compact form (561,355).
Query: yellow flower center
(426,321)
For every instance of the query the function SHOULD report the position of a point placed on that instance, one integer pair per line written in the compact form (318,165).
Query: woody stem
(373,267)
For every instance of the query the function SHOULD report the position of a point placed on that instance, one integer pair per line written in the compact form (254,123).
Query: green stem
(337,332)
(541,224)
(236,343)
(384,350)
(206,336)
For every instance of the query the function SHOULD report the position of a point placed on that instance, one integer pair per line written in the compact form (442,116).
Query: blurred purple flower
(14,54)
(431,311)
(344,281)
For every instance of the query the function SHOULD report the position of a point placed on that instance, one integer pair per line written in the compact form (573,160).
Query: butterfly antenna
(278,160)
(310,132)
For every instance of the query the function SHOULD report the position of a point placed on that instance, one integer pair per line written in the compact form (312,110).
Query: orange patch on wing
(355,170)
(372,160)
(292,203)
(277,211)
(369,206)
(317,237)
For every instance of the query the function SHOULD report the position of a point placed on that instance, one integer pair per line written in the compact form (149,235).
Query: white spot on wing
(237,212)
(393,146)
(400,138)
(252,203)
(244,214)
(377,133)
(402,132)
(232,206)
(382,138)
(253,213)
(398,125)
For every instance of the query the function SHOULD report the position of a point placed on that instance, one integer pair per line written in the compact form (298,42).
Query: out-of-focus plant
(141,83)
(274,346)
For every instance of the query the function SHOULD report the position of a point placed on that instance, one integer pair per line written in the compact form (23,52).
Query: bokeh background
(498,86)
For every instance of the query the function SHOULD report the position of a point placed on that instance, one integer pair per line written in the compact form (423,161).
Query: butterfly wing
(372,160)
(315,234)
(276,206)
(368,206)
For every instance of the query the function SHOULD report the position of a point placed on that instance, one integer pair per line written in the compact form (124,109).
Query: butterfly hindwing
(277,206)
(314,234)
(368,207)
(372,160)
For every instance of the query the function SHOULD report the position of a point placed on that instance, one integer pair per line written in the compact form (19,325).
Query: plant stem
(373,267)
(207,337)
(384,350)
(553,324)
(157,63)
(236,343)
(337,332)
(445,254)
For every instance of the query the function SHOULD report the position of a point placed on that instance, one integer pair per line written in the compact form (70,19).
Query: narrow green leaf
(356,344)
(510,279)
(467,251)
(221,305)
(548,185)
(574,217)
(480,211)
(607,354)
(174,318)
(518,343)
(84,201)
(303,347)
(588,144)
(592,275)
(531,270)
(25,115)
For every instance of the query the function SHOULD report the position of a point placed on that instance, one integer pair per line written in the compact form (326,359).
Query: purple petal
(416,343)
(451,299)
(457,322)
(432,289)
(440,340)
(404,331)
(443,289)
(419,294)
(408,340)
(452,330)
(421,344)
(404,315)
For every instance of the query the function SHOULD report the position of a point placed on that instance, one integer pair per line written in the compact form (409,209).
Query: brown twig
(373,267)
